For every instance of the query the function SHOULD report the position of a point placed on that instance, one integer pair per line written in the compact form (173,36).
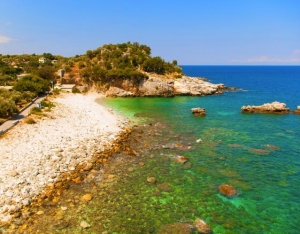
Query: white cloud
(4,39)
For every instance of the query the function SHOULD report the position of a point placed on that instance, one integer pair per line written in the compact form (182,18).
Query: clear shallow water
(256,153)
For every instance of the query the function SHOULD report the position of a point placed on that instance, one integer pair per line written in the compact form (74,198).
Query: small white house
(65,87)
(54,61)
(42,60)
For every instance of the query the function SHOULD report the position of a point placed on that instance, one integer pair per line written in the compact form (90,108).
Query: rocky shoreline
(36,158)
(157,86)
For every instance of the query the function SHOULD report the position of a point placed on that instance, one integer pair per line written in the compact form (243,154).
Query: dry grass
(29,120)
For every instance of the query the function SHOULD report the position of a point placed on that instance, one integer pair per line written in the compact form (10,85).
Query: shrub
(30,120)
(36,111)
(75,90)
(56,91)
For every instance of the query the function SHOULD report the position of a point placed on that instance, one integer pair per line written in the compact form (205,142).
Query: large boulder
(196,87)
(198,111)
(155,86)
(117,92)
(227,190)
(274,107)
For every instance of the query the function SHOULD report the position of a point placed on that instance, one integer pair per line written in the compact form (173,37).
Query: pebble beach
(33,156)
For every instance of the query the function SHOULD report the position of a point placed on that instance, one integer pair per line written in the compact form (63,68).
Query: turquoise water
(256,153)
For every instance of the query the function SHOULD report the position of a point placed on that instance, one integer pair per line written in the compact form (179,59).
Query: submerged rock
(274,107)
(151,180)
(180,159)
(164,187)
(201,226)
(227,190)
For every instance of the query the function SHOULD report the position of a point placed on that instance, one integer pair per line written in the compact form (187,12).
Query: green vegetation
(11,101)
(32,84)
(106,66)
(127,61)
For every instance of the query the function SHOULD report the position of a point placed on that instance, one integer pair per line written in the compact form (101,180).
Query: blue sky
(205,32)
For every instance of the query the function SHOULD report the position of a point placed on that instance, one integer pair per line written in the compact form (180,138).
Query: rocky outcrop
(297,111)
(157,87)
(274,107)
(196,87)
(117,92)
(198,111)
(227,190)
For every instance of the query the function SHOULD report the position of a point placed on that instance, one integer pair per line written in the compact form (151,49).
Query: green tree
(33,84)
(47,73)
(7,107)
(155,64)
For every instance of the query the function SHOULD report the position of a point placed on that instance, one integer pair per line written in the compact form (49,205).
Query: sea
(149,191)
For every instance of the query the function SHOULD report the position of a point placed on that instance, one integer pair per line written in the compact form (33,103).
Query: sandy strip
(33,155)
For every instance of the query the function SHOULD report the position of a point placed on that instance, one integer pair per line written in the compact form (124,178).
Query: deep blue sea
(259,154)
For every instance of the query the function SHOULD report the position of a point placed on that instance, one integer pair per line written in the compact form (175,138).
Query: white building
(42,60)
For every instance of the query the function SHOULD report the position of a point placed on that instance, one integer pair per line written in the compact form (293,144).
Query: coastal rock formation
(155,86)
(198,111)
(274,107)
(227,190)
(201,226)
(117,92)
(196,87)
(297,111)
(160,86)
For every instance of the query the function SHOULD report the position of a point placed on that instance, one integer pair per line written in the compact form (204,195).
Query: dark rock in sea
(227,190)
(201,226)
(259,151)
(199,111)
(273,108)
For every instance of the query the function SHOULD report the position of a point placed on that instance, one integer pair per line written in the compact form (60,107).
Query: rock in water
(151,180)
(201,226)
(180,159)
(297,111)
(274,107)
(227,190)
(198,111)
